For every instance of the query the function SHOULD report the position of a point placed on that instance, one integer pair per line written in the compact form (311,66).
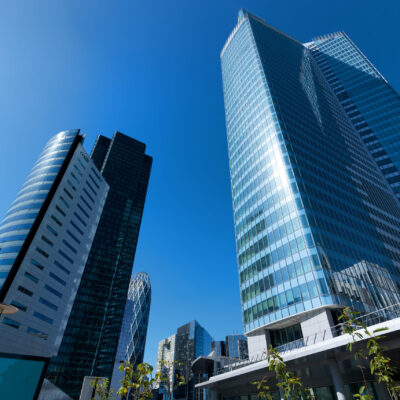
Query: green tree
(291,385)
(138,383)
(370,356)
(102,389)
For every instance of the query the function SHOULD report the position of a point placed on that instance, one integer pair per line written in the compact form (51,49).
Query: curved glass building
(132,340)
(20,218)
(315,221)
(137,311)
(45,239)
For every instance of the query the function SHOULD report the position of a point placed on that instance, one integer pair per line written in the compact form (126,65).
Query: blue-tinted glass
(13,371)
(370,102)
(298,212)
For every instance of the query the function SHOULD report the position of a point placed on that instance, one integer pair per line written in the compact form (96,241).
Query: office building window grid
(45,284)
(369,101)
(20,217)
(105,281)
(253,134)
(290,205)
(136,319)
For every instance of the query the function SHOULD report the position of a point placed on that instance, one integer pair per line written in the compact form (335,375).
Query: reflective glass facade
(192,341)
(132,341)
(218,346)
(370,102)
(23,212)
(310,204)
(91,337)
(236,346)
(165,363)
(15,369)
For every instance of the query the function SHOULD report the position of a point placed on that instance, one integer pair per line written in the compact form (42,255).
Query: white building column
(316,326)
(337,379)
(258,344)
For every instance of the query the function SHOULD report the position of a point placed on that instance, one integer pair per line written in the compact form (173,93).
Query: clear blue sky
(151,70)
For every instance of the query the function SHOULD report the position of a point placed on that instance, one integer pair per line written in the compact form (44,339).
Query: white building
(45,239)
(166,359)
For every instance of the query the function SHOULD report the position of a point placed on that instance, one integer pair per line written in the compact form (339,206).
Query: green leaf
(380,329)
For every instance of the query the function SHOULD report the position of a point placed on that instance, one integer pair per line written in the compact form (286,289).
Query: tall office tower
(91,338)
(370,102)
(310,203)
(192,341)
(175,357)
(316,222)
(236,346)
(132,340)
(45,239)
(166,363)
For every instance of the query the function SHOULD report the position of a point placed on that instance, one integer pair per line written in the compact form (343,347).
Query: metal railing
(373,318)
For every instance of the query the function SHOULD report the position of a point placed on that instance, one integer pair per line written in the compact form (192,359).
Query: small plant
(291,385)
(167,371)
(362,395)
(372,354)
(140,383)
(102,389)
(264,391)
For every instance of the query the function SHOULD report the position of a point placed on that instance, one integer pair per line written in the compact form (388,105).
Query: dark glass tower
(370,102)
(91,338)
(192,341)
(315,221)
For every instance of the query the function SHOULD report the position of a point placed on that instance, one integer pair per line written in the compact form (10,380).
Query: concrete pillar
(257,344)
(316,326)
(337,379)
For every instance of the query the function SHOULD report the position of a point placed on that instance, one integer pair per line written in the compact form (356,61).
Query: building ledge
(326,349)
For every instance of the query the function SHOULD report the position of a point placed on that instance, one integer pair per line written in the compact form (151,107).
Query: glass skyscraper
(91,338)
(192,341)
(45,239)
(132,340)
(165,365)
(136,317)
(178,352)
(370,102)
(312,210)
